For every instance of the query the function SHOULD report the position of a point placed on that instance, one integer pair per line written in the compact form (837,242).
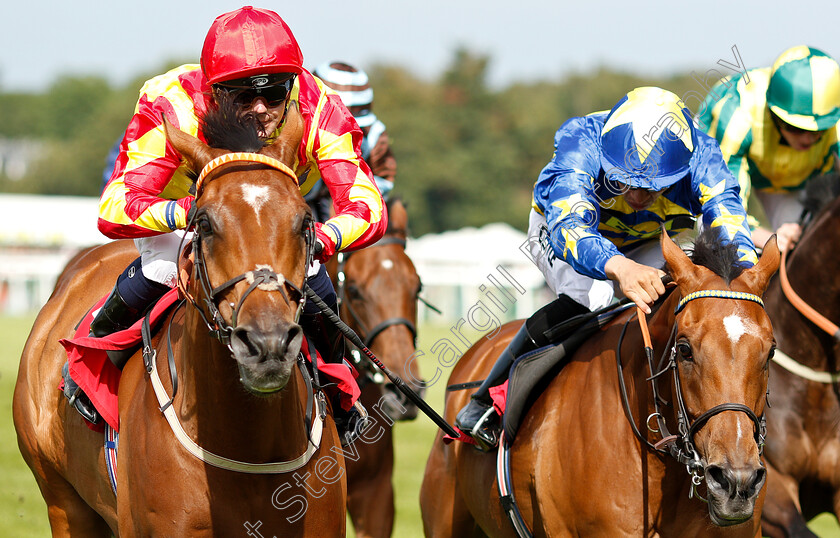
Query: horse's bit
(682,447)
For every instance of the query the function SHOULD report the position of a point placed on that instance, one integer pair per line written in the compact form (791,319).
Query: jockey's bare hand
(787,235)
(640,283)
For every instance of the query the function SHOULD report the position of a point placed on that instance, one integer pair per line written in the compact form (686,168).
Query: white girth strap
(225,463)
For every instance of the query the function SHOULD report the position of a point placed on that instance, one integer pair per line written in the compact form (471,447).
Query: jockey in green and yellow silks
(777,128)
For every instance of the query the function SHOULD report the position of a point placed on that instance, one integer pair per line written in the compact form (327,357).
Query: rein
(785,361)
(263,277)
(804,308)
(681,447)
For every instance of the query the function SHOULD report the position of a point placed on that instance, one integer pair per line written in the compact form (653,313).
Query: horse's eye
(684,350)
(204,226)
(353,292)
(771,354)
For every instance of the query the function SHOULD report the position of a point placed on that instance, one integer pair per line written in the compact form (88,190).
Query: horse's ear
(196,152)
(683,270)
(285,147)
(758,276)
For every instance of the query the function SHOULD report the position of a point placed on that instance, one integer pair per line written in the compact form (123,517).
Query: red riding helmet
(249,41)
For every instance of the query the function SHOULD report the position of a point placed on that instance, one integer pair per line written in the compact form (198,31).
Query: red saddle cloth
(499,396)
(100,379)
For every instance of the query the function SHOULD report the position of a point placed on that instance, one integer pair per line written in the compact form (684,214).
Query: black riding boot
(116,314)
(330,344)
(478,418)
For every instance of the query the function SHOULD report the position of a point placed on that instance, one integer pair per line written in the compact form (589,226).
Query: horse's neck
(812,271)
(217,411)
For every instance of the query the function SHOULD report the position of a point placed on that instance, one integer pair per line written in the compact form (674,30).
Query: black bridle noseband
(262,277)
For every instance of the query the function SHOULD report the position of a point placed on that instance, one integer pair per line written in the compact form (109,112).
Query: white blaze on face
(256,196)
(387,264)
(736,326)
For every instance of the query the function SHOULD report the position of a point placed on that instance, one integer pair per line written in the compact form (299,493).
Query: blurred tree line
(467,154)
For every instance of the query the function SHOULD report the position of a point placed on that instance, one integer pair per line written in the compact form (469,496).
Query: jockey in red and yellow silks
(251,59)
(149,192)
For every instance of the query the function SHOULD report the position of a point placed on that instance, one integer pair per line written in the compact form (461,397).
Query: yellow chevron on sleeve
(149,147)
(732,224)
(154,217)
(338,147)
(167,85)
(351,228)
(364,191)
(707,193)
(112,203)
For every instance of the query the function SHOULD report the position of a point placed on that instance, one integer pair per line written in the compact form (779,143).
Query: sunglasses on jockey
(273,88)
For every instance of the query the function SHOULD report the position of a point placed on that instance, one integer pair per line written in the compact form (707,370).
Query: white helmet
(352,86)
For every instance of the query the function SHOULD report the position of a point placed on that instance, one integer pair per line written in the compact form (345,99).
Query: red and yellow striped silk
(150,190)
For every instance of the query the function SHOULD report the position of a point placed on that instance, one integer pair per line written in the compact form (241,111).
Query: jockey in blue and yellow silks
(615,178)
(777,128)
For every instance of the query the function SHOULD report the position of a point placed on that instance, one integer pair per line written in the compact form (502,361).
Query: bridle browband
(240,157)
(682,447)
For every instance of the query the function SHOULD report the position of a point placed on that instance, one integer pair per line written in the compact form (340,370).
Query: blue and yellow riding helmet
(648,139)
(804,89)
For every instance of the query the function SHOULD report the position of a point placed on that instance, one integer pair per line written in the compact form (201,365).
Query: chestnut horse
(281,477)
(577,467)
(803,451)
(378,290)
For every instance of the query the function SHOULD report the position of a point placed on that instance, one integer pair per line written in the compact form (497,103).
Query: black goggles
(244,91)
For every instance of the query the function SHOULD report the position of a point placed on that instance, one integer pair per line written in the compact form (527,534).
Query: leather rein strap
(804,308)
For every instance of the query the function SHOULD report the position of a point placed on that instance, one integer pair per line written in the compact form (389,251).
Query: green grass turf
(22,509)
(23,513)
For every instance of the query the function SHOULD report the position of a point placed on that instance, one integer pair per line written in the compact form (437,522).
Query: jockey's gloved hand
(191,215)
(322,250)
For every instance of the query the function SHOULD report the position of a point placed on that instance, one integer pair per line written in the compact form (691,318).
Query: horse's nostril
(717,478)
(755,483)
(246,344)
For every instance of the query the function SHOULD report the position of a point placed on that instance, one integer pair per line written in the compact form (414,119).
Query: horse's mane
(710,251)
(819,192)
(225,128)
